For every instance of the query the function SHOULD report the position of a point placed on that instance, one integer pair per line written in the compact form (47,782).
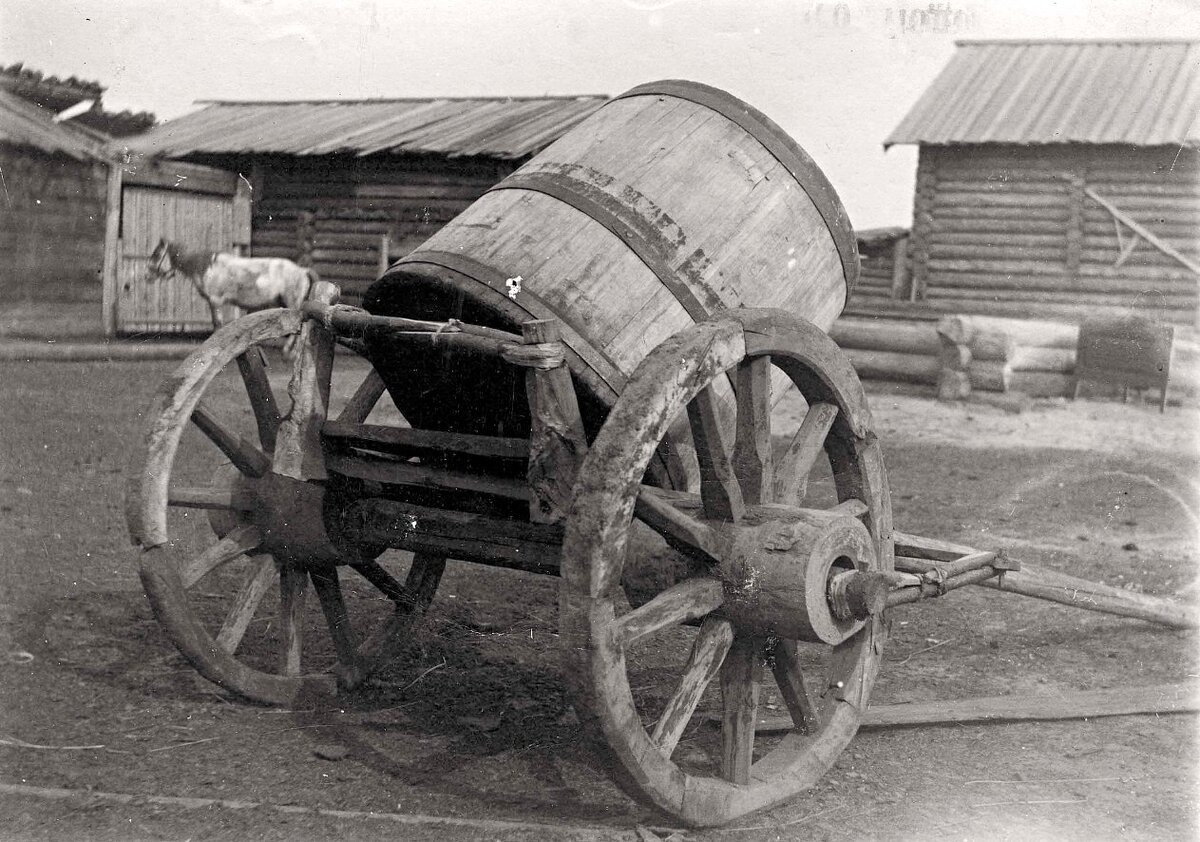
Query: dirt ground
(105,734)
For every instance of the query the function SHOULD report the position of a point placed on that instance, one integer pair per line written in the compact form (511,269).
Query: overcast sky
(837,76)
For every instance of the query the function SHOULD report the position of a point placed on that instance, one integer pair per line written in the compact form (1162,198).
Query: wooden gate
(202,208)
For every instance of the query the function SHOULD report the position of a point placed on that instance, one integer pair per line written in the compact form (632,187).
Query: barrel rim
(783,147)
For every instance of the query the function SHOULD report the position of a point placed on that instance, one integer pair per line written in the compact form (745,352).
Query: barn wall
(331,212)
(1011,230)
(883,269)
(51,226)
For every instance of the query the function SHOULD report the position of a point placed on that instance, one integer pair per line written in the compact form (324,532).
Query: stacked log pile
(961,354)
(1036,358)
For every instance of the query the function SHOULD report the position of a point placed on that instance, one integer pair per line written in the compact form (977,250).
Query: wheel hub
(801,578)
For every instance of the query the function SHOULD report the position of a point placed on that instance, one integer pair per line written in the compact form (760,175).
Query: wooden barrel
(669,204)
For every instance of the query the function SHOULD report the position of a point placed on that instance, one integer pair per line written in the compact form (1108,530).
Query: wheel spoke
(209,497)
(240,540)
(740,676)
(247,458)
(292,585)
(791,481)
(708,652)
(364,399)
(249,597)
(785,663)
(411,600)
(333,605)
(374,573)
(689,600)
(718,486)
(752,441)
(253,368)
(682,531)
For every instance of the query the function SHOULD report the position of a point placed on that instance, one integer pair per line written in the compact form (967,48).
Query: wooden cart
(586,362)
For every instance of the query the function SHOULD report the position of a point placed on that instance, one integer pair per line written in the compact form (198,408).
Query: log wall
(332,212)
(883,274)
(1013,231)
(51,226)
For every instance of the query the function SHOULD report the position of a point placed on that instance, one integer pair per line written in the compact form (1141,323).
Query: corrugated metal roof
(1143,93)
(25,124)
(498,128)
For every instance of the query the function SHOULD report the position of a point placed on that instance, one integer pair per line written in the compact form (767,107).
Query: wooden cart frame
(763,576)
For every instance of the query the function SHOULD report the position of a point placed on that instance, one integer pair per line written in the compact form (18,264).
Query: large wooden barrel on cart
(671,203)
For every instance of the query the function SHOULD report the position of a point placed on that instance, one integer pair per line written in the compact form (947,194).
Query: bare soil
(471,725)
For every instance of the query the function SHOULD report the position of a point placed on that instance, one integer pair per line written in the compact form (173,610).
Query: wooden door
(198,207)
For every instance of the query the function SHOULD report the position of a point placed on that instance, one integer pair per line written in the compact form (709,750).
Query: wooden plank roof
(1137,92)
(25,124)
(498,128)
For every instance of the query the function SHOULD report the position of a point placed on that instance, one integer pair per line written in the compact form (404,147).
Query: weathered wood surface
(595,635)
(1059,587)
(1155,699)
(631,247)
(894,336)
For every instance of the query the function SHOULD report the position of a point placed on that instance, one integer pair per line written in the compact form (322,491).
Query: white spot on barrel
(514,286)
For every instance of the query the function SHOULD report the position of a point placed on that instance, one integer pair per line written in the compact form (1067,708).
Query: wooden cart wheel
(225,498)
(777,584)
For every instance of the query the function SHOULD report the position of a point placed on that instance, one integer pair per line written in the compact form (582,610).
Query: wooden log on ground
(1041,384)
(903,368)
(885,335)
(985,342)
(1155,700)
(1031,358)
(988,375)
(1029,332)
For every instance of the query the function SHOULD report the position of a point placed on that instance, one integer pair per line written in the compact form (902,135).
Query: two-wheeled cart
(587,363)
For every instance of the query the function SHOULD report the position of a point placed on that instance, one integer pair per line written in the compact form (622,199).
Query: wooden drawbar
(670,203)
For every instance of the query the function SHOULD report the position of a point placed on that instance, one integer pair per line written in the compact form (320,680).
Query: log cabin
(1058,179)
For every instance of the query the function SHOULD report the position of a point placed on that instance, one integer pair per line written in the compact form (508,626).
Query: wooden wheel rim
(167,575)
(147,506)
(668,379)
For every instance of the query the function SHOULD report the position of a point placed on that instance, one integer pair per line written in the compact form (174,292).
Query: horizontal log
(996,200)
(1023,267)
(407,473)
(1155,273)
(987,228)
(886,335)
(903,368)
(409,442)
(1025,215)
(1033,358)
(1099,279)
(332,271)
(1041,239)
(941,250)
(1009,308)
(177,175)
(533,547)
(988,375)
(1147,299)
(1042,384)
(367,237)
(1150,204)
(1048,186)
(984,342)
(1022,332)
(342,257)
(467,192)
